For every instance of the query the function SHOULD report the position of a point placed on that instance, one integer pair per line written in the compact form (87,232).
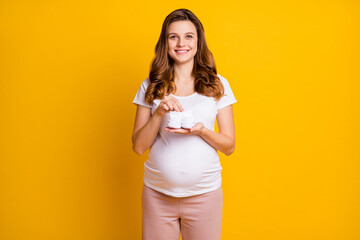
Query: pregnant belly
(182,165)
(183,172)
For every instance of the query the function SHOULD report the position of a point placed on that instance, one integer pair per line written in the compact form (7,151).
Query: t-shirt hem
(227,104)
(142,104)
(185,194)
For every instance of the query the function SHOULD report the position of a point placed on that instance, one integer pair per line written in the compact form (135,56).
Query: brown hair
(162,72)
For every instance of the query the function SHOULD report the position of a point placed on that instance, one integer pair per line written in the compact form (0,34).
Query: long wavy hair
(162,71)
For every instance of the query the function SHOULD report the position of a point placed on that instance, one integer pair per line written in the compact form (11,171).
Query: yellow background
(69,71)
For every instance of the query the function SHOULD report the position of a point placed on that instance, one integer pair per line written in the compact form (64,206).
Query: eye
(172,37)
(189,36)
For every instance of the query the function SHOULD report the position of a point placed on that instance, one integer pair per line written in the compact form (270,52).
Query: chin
(181,61)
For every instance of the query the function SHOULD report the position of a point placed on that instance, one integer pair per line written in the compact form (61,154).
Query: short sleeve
(228,97)
(140,95)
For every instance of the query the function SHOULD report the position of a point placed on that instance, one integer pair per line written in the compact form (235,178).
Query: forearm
(144,137)
(221,142)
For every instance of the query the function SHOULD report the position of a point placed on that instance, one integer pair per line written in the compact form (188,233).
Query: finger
(179,107)
(165,107)
(170,129)
(170,105)
(183,131)
(177,130)
(166,98)
(177,104)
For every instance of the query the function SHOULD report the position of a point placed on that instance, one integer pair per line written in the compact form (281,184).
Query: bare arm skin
(224,140)
(147,126)
(145,130)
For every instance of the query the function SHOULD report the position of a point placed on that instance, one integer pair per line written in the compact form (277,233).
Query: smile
(182,51)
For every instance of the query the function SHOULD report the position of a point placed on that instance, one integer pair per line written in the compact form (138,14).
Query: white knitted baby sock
(187,119)
(174,119)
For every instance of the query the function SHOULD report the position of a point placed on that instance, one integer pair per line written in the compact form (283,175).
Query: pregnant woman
(182,176)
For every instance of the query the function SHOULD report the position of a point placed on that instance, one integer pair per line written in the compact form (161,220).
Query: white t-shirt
(185,165)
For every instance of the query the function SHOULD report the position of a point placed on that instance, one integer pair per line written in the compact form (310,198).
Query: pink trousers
(197,217)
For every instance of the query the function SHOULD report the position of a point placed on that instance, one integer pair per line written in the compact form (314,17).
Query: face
(182,41)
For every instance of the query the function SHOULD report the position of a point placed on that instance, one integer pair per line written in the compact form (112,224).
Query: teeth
(182,51)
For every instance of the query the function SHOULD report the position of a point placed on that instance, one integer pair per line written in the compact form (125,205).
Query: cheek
(170,45)
(194,45)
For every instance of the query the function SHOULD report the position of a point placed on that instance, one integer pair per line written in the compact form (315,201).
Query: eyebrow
(185,33)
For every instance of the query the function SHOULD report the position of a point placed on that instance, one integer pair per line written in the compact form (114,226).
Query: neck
(183,72)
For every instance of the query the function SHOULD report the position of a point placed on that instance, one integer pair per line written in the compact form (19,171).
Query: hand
(168,103)
(197,129)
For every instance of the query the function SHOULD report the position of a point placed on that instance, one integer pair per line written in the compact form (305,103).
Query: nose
(181,42)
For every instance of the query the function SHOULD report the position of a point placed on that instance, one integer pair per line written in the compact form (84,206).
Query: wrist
(157,115)
(202,131)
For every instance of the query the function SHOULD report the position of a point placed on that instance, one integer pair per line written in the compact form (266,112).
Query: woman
(182,176)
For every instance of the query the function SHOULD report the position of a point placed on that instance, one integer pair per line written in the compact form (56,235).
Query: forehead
(181,27)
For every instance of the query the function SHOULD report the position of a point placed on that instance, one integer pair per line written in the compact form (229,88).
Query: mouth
(182,51)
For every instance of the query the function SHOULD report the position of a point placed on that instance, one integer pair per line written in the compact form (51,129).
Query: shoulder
(228,98)
(224,81)
(145,83)
(140,95)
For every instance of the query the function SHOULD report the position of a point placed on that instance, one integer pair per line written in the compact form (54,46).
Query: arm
(145,130)
(147,126)
(224,141)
